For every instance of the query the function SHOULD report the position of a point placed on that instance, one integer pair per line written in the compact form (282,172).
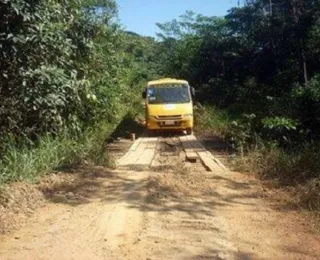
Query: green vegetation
(259,74)
(27,162)
(70,75)
(211,120)
(298,168)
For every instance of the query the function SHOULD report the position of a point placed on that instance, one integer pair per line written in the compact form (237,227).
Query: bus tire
(189,131)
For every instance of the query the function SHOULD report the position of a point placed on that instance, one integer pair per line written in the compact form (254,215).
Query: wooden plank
(191,155)
(217,161)
(145,158)
(139,150)
(184,142)
(191,145)
(210,155)
(209,163)
(154,161)
(130,152)
(142,154)
(124,158)
(194,143)
(132,156)
(137,142)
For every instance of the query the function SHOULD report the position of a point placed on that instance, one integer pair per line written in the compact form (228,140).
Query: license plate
(169,122)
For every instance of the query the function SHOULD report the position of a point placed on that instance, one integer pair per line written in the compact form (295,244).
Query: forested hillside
(70,73)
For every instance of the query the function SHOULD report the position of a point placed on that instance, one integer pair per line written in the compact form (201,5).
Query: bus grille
(171,117)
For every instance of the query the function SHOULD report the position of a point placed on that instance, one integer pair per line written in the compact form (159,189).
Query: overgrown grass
(24,160)
(28,163)
(298,169)
(210,120)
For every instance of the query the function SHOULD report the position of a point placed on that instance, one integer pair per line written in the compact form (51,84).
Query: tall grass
(209,119)
(298,168)
(27,163)
(24,160)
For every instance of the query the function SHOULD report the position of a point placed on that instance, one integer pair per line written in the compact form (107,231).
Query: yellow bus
(169,105)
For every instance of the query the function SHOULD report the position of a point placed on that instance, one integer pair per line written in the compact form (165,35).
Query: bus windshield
(168,93)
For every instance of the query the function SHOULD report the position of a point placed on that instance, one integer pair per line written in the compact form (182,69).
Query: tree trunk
(305,68)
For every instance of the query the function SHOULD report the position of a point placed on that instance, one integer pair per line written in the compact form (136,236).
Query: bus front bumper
(182,124)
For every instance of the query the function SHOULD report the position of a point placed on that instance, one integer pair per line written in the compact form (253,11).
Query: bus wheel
(189,131)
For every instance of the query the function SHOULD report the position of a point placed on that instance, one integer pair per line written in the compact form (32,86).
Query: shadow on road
(166,189)
(128,125)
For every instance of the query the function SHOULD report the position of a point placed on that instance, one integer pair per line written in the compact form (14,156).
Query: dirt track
(156,205)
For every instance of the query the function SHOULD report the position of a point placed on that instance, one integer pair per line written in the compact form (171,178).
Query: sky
(141,16)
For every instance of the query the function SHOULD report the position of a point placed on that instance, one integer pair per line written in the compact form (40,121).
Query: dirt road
(158,205)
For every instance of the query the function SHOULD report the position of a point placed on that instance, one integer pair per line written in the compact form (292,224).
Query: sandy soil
(172,210)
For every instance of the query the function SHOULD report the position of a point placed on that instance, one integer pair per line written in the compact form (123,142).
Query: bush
(285,167)
(209,119)
(307,106)
(67,78)
(62,67)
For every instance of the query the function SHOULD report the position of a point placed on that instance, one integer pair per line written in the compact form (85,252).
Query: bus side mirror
(144,94)
(193,91)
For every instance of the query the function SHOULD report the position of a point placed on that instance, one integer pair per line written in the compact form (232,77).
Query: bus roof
(167,81)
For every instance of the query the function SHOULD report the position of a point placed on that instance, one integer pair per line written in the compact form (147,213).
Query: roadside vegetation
(70,74)
(295,169)
(211,120)
(257,70)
